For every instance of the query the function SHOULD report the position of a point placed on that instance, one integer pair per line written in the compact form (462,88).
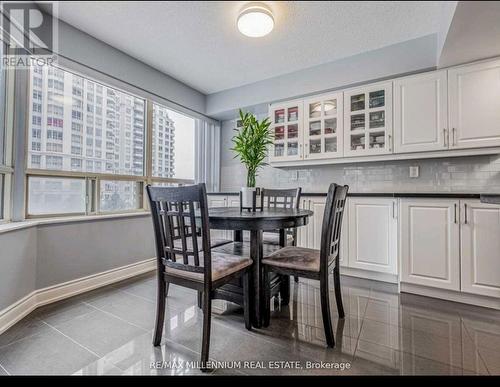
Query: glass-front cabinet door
(323,129)
(368,120)
(286,128)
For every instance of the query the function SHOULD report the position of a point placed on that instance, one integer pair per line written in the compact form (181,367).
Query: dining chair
(280,198)
(314,264)
(185,258)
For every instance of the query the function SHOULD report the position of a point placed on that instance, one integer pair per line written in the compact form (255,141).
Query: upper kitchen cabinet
(421,113)
(286,128)
(474,105)
(323,129)
(368,120)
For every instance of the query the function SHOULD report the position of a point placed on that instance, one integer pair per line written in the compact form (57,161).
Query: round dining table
(267,219)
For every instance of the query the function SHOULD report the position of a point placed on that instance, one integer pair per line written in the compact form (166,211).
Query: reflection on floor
(109,331)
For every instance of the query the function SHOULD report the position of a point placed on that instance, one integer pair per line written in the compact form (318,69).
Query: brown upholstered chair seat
(297,258)
(222,266)
(214,242)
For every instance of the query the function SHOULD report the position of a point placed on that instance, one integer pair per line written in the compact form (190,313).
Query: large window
(87,146)
(172,144)
(78,125)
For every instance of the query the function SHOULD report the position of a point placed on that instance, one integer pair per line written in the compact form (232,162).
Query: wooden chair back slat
(173,210)
(332,226)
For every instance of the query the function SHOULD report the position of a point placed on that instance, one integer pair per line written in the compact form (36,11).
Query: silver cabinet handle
(453,137)
(394,210)
(300,150)
(445,137)
(455,213)
(465,213)
(390,142)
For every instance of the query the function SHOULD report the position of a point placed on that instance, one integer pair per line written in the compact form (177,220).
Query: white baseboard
(371,275)
(450,295)
(15,312)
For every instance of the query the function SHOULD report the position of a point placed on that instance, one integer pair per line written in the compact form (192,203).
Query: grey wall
(45,255)
(406,57)
(459,174)
(17,265)
(69,251)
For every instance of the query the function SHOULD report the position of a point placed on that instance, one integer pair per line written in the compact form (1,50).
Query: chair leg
(285,290)
(160,311)
(325,310)
(200,299)
(267,297)
(205,345)
(246,300)
(338,293)
(296,278)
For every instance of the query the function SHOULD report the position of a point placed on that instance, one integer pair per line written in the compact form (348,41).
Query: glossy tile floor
(109,330)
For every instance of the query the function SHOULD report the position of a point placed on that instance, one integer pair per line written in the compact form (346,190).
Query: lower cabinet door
(317,206)
(430,231)
(302,232)
(217,201)
(373,234)
(480,252)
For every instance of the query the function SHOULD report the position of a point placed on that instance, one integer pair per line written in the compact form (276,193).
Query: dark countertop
(444,195)
(490,198)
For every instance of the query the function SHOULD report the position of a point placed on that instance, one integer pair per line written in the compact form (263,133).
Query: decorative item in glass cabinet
(315,128)
(330,107)
(330,145)
(357,102)
(293,131)
(377,99)
(314,110)
(293,114)
(357,121)
(330,125)
(279,116)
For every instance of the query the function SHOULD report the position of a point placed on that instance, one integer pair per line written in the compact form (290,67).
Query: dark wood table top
(231,218)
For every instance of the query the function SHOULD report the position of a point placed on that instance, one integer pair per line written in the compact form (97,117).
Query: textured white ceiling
(198,42)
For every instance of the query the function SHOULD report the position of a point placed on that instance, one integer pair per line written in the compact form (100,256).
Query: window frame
(6,143)
(93,179)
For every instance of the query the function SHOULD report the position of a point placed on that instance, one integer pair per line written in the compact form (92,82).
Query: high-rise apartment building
(78,125)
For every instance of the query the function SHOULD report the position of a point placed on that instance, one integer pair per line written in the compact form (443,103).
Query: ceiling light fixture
(255,20)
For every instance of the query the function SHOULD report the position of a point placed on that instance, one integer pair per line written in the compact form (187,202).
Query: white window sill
(13,226)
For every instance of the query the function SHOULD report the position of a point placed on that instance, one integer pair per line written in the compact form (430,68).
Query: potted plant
(250,145)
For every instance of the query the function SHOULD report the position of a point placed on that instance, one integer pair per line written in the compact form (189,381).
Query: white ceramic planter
(247,196)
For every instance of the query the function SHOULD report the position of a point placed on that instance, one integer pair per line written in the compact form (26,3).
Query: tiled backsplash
(455,174)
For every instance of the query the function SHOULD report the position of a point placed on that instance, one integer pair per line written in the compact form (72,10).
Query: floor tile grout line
(118,317)
(464,328)
(73,340)
(24,337)
(5,370)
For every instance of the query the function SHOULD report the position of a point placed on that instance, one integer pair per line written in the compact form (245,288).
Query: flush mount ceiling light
(255,20)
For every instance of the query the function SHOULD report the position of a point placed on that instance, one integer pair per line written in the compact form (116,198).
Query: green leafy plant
(251,143)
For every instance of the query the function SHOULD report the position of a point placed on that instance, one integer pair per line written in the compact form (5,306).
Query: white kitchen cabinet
(323,129)
(287,130)
(218,201)
(368,120)
(373,234)
(474,105)
(429,239)
(480,248)
(421,113)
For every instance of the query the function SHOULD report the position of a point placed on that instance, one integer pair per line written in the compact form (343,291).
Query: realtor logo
(28,33)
